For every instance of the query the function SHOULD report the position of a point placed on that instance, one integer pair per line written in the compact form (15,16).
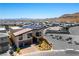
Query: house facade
(4,42)
(26,36)
(21,37)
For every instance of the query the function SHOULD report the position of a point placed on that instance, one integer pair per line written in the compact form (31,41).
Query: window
(2,39)
(4,44)
(20,37)
(38,33)
(29,35)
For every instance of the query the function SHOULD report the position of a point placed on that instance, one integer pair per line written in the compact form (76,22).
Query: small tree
(18,50)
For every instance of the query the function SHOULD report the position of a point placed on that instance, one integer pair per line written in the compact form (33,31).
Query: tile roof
(15,27)
(15,30)
(22,31)
(55,28)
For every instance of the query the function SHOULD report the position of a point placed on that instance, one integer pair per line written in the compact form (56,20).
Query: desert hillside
(67,18)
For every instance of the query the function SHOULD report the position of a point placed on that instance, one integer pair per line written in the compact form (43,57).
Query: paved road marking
(61,50)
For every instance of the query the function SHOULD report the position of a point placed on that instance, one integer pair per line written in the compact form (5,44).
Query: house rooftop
(55,28)
(16,27)
(74,30)
(3,35)
(22,31)
(34,26)
(2,29)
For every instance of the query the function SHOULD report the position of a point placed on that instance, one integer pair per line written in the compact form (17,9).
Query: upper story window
(20,37)
(2,39)
(29,35)
(38,33)
(4,44)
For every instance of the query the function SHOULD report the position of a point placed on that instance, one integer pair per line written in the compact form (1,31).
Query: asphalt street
(59,45)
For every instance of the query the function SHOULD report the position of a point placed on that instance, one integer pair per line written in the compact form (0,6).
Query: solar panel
(34,26)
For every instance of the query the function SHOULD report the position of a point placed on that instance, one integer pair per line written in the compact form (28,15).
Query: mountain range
(67,18)
(64,18)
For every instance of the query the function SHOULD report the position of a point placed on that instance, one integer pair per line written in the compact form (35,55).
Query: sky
(36,10)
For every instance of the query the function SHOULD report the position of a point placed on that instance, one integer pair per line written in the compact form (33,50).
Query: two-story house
(28,35)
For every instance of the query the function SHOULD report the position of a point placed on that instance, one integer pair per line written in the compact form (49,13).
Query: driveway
(25,51)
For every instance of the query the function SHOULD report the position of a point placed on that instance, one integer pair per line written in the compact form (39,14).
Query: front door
(21,45)
(34,40)
(24,44)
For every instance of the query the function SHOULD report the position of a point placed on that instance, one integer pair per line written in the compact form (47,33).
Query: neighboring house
(2,30)
(57,30)
(74,30)
(4,41)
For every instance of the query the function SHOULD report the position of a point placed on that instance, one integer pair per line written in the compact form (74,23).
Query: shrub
(18,50)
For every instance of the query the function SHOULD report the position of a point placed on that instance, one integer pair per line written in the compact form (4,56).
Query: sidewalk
(27,50)
(53,52)
(36,52)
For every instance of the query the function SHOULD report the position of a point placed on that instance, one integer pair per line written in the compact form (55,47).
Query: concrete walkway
(27,50)
(62,52)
